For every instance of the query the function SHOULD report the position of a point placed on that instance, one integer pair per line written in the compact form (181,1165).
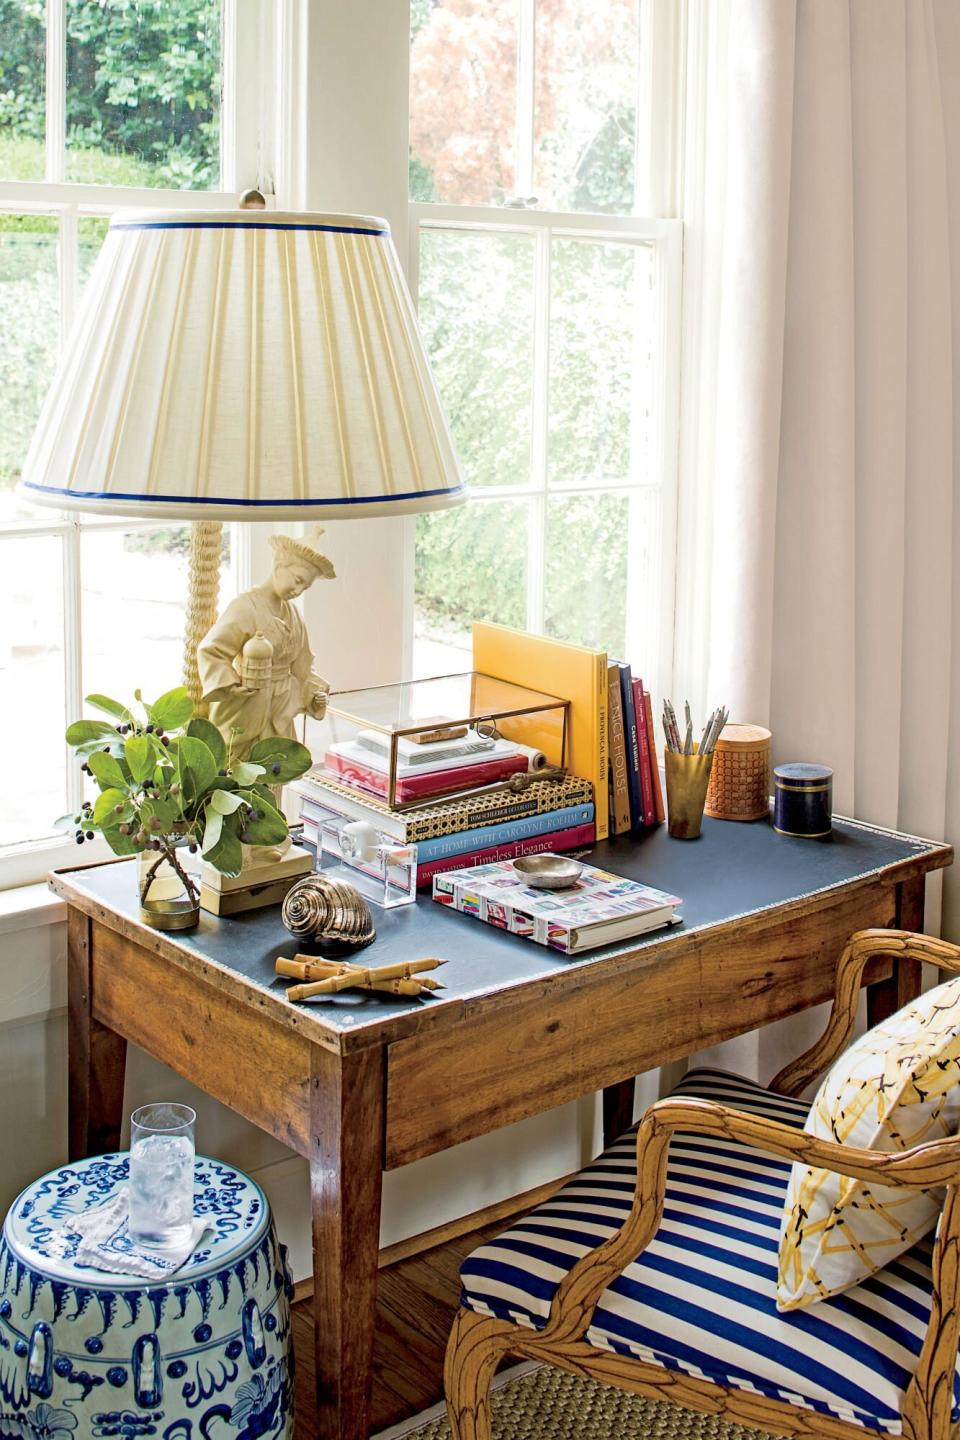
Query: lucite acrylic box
(380,867)
(420,741)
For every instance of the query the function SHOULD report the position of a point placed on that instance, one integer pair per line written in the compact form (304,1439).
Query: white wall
(33,1114)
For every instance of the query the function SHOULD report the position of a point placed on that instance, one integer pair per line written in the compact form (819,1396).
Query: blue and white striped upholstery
(702,1297)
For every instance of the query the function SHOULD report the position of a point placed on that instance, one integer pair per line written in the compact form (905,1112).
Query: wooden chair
(574,1284)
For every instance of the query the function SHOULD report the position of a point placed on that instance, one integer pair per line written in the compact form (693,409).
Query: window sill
(27,907)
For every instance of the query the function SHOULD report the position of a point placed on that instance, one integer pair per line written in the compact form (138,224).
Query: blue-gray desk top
(732,871)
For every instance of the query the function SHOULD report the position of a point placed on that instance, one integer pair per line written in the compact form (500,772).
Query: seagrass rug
(548,1404)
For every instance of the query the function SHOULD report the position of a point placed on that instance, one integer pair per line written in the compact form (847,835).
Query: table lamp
(245,364)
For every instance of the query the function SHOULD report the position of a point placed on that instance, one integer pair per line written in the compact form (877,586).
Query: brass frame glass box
(439,708)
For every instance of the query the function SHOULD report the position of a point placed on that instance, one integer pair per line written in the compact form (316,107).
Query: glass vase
(169,893)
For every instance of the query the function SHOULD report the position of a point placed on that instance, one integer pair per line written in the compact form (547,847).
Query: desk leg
(346,1166)
(887,997)
(96,1056)
(618,1110)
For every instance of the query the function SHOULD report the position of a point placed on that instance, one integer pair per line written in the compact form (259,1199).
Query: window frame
(665,237)
(247,150)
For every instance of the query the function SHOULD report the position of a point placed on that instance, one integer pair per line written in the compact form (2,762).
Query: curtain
(831,223)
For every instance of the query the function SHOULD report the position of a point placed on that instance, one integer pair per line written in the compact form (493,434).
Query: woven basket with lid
(740,779)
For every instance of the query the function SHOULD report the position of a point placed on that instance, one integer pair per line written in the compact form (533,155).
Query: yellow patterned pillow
(897,1086)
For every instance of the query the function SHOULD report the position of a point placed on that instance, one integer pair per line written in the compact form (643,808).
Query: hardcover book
(323,793)
(632,740)
(646,780)
(570,671)
(576,837)
(619,784)
(599,910)
(658,811)
(344,762)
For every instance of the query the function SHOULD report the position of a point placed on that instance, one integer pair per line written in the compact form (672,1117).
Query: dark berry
(165,739)
(221,772)
(245,836)
(89,834)
(124,829)
(85,769)
(155,824)
(149,730)
(275,768)
(192,848)
(79,839)
(118,809)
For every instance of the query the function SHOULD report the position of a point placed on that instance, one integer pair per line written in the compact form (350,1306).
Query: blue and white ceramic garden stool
(205,1354)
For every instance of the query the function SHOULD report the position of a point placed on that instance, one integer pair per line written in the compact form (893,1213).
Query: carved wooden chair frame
(478,1343)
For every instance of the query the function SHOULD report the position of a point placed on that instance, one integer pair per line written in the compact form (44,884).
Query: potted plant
(169,784)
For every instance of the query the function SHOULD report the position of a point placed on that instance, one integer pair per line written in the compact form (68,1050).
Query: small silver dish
(548,872)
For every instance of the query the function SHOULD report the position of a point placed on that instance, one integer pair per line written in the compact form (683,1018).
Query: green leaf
(120,844)
(107,770)
(225,802)
(197,767)
(270,828)
(206,731)
(227,854)
(141,757)
(105,807)
(86,732)
(283,760)
(245,774)
(165,809)
(172,709)
(110,707)
(213,830)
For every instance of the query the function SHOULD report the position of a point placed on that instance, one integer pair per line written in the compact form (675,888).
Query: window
(101,105)
(548,289)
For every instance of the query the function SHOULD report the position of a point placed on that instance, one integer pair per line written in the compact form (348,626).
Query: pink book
(416,787)
(576,838)
(646,783)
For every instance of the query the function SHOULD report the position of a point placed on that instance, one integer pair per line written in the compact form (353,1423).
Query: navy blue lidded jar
(803,800)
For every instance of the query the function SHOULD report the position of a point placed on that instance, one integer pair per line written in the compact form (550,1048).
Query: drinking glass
(161,1174)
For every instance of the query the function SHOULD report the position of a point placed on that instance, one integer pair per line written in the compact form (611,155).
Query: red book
(577,838)
(646,782)
(654,766)
(417,787)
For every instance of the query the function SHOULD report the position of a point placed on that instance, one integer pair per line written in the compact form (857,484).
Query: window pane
(23,46)
(143,93)
(586,72)
(471,565)
(591,595)
(585,596)
(602,310)
(137,644)
(463,110)
(32,716)
(476,313)
(29,332)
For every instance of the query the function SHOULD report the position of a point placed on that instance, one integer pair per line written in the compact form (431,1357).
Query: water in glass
(161,1175)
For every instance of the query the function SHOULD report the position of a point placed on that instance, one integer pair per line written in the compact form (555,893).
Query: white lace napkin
(106,1243)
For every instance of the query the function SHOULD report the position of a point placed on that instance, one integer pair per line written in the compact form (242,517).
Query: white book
(360,755)
(423,755)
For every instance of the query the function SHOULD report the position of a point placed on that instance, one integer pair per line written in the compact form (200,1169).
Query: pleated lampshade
(249,364)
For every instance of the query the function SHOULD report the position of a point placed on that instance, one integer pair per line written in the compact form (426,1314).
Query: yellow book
(570,672)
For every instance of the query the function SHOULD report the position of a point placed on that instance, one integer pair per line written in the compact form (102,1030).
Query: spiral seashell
(325,910)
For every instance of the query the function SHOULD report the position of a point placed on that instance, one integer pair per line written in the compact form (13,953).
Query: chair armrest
(933,1164)
(899,945)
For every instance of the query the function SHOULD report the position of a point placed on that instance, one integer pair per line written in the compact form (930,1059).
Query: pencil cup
(687,779)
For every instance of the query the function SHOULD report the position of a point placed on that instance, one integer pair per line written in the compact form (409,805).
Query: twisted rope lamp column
(204,581)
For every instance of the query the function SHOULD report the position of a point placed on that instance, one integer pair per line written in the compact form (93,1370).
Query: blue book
(487,836)
(632,738)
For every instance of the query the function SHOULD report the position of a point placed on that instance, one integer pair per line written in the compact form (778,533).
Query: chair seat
(701,1297)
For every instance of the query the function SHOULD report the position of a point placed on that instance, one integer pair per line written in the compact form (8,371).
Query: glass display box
(421,741)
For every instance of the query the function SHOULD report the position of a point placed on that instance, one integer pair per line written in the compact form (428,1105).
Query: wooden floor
(415,1307)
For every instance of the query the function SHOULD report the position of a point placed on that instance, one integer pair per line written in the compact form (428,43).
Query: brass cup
(687,779)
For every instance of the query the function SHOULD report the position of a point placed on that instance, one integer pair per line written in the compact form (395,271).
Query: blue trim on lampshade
(242,225)
(68,495)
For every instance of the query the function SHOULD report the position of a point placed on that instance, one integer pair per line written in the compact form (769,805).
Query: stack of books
(635,793)
(452,831)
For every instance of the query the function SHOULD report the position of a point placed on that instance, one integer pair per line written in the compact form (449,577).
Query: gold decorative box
(740,780)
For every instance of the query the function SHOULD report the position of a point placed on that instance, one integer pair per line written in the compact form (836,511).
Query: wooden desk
(362,1083)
